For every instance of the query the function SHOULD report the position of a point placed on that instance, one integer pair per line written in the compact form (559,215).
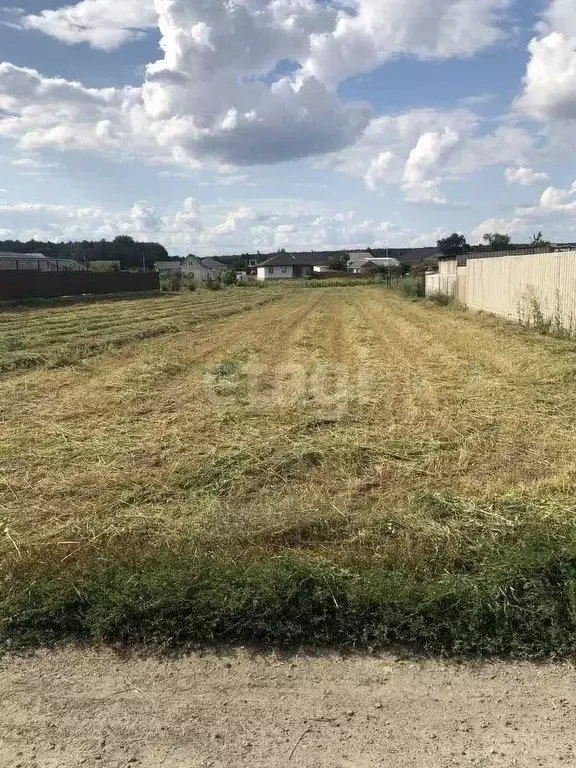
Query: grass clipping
(437,514)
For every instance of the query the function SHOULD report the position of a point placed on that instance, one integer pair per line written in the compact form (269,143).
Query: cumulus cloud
(524,176)
(559,200)
(240,83)
(376,30)
(422,148)
(104,24)
(264,225)
(554,212)
(52,112)
(419,182)
(549,91)
(514,226)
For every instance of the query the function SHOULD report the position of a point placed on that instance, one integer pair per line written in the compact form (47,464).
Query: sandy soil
(238,709)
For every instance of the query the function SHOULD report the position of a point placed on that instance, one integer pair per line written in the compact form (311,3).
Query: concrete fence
(517,287)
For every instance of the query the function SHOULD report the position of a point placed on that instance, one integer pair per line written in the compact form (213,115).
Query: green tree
(455,245)
(339,262)
(538,240)
(497,241)
(229,277)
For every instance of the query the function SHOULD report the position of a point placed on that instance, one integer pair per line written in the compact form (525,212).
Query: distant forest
(123,248)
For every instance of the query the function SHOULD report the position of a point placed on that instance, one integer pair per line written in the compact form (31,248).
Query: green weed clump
(341,282)
(445,576)
(532,315)
(171,283)
(440,298)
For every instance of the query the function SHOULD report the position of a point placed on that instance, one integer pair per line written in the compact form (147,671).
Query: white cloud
(550,84)
(524,176)
(510,227)
(561,16)
(264,225)
(216,96)
(378,170)
(373,31)
(419,182)
(104,24)
(421,148)
(52,112)
(559,200)
(554,213)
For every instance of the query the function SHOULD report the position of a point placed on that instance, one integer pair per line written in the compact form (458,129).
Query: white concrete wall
(436,282)
(447,266)
(506,285)
(274,273)
(432,282)
(321,269)
(462,278)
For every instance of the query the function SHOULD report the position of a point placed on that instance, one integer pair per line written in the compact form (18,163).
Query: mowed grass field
(334,466)
(64,335)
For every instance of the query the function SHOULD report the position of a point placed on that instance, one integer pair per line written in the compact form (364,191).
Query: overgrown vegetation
(440,298)
(336,467)
(532,315)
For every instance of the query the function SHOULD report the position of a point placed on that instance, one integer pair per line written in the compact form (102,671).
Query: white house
(202,269)
(365,263)
(287,266)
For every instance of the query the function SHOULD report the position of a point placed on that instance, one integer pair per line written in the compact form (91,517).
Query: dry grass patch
(336,466)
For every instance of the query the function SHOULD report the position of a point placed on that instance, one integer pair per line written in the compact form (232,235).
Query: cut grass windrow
(66,335)
(335,467)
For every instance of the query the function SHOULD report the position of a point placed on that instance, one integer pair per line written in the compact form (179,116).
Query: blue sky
(216,127)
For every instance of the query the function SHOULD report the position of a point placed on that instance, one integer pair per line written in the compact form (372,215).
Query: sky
(230,126)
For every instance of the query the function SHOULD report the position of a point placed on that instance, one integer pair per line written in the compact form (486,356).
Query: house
(364,263)
(203,269)
(37,262)
(284,266)
(173,267)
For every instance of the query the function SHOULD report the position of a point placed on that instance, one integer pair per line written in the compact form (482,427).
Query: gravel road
(236,709)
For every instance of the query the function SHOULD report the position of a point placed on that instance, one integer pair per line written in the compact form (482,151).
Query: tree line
(456,245)
(129,252)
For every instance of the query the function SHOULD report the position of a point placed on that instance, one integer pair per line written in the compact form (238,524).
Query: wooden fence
(48,285)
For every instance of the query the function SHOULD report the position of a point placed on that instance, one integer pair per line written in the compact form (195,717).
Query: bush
(229,277)
(440,298)
(171,282)
(189,284)
(213,284)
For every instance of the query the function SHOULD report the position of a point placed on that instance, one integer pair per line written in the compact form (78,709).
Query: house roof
(356,262)
(403,255)
(213,263)
(210,264)
(298,260)
(21,256)
(359,255)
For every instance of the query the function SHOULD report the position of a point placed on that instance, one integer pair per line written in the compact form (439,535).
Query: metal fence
(518,286)
(28,284)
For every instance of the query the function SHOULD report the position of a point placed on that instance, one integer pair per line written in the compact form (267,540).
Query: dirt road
(265,711)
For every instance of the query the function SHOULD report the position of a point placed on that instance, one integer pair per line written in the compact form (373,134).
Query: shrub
(170,282)
(229,277)
(213,284)
(189,284)
(440,298)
